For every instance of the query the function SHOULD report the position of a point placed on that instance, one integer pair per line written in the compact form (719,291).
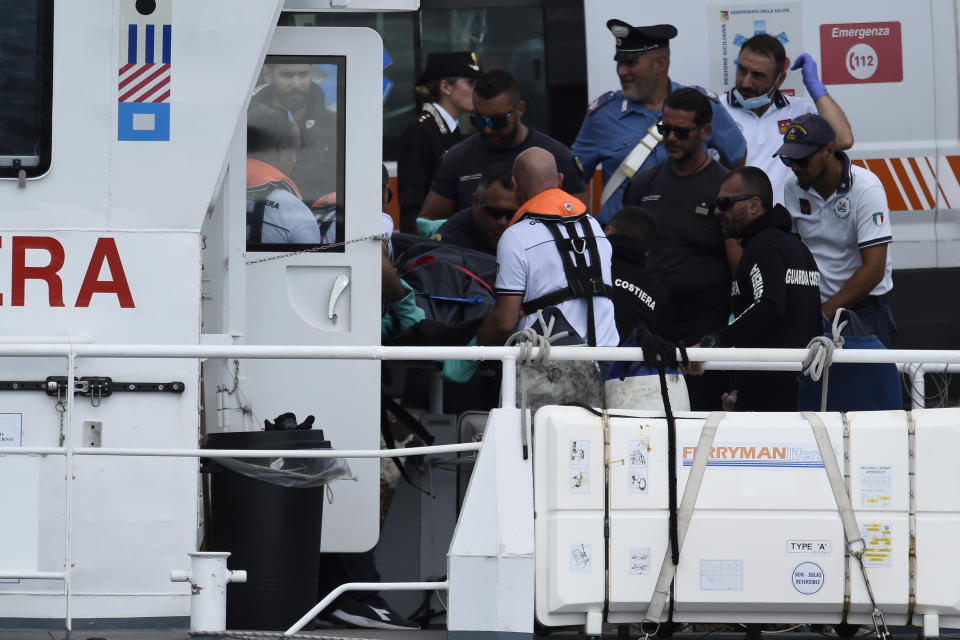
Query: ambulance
(892,67)
(137,319)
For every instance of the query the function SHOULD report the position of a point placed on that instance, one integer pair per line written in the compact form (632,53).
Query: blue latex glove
(811,79)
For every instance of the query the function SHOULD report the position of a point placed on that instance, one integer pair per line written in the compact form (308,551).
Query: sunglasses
(799,163)
(724,204)
(491,122)
(497,212)
(680,132)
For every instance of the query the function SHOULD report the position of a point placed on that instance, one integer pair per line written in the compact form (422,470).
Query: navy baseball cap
(633,42)
(450,64)
(805,134)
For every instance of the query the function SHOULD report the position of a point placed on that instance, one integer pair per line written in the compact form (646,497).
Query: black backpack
(453,286)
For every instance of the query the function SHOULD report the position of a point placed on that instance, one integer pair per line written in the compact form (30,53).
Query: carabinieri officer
(619,130)
(444,91)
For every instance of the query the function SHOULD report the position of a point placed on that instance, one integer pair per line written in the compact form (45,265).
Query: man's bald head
(535,171)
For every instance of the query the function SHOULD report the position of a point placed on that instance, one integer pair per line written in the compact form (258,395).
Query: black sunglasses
(799,163)
(497,212)
(491,122)
(681,133)
(724,204)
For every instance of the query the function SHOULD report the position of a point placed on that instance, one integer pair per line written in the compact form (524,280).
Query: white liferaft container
(765,542)
(569,506)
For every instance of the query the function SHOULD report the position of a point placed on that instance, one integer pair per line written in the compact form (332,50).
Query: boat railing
(912,363)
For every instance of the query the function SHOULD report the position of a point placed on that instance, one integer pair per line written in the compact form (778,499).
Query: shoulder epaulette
(708,93)
(599,102)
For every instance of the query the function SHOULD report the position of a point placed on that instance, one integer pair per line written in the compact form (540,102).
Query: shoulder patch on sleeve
(599,102)
(708,93)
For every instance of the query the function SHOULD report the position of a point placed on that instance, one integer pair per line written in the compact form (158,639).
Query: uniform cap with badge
(804,135)
(450,64)
(633,42)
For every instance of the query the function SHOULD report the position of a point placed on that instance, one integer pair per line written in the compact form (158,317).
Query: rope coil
(528,339)
(817,362)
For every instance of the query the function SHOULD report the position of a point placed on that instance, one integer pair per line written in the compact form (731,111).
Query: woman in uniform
(444,91)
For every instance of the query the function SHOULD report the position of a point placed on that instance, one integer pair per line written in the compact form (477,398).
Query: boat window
(295,154)
(26,78)
(541,42)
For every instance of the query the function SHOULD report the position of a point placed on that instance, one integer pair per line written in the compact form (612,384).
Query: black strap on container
(659,354)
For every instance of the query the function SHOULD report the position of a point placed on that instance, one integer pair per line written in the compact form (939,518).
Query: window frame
(43,68)
(340,62)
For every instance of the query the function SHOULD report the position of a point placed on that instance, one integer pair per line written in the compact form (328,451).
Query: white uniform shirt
(529,264)
(764,135)
(854,217)
(450,121)
(286,220)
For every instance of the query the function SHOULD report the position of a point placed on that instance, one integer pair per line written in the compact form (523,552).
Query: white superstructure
(126,258)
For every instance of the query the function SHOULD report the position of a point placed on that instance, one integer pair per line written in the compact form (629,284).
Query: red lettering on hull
(22,273)
(105,251)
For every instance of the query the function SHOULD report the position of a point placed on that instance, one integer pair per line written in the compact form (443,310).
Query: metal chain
(322,248)
(61,409)
(259,635)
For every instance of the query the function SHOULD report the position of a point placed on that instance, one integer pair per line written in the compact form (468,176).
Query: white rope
(817,362)
(527,339)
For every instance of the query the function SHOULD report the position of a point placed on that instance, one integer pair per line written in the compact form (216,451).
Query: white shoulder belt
(633,161)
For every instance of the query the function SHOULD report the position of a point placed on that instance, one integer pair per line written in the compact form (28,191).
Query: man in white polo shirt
(763,113)
(841,214)
(553,254)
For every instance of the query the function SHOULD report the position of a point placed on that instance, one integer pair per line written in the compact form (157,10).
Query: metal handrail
(759,355)
(912,361)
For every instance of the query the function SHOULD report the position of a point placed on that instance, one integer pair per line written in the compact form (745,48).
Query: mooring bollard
(208,577)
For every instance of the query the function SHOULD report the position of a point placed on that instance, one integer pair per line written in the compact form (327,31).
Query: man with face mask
(763,112)
(619,130)
(501,136)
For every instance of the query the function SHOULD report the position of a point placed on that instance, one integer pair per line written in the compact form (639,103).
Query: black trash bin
(271,531)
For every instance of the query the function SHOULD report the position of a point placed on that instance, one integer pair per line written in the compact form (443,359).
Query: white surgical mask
(753,103)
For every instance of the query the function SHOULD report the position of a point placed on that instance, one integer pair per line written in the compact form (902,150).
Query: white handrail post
(68,501)
(508,385)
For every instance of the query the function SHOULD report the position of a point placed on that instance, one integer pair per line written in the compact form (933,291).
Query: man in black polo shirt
(690,255)
(501,136)
(480,226)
